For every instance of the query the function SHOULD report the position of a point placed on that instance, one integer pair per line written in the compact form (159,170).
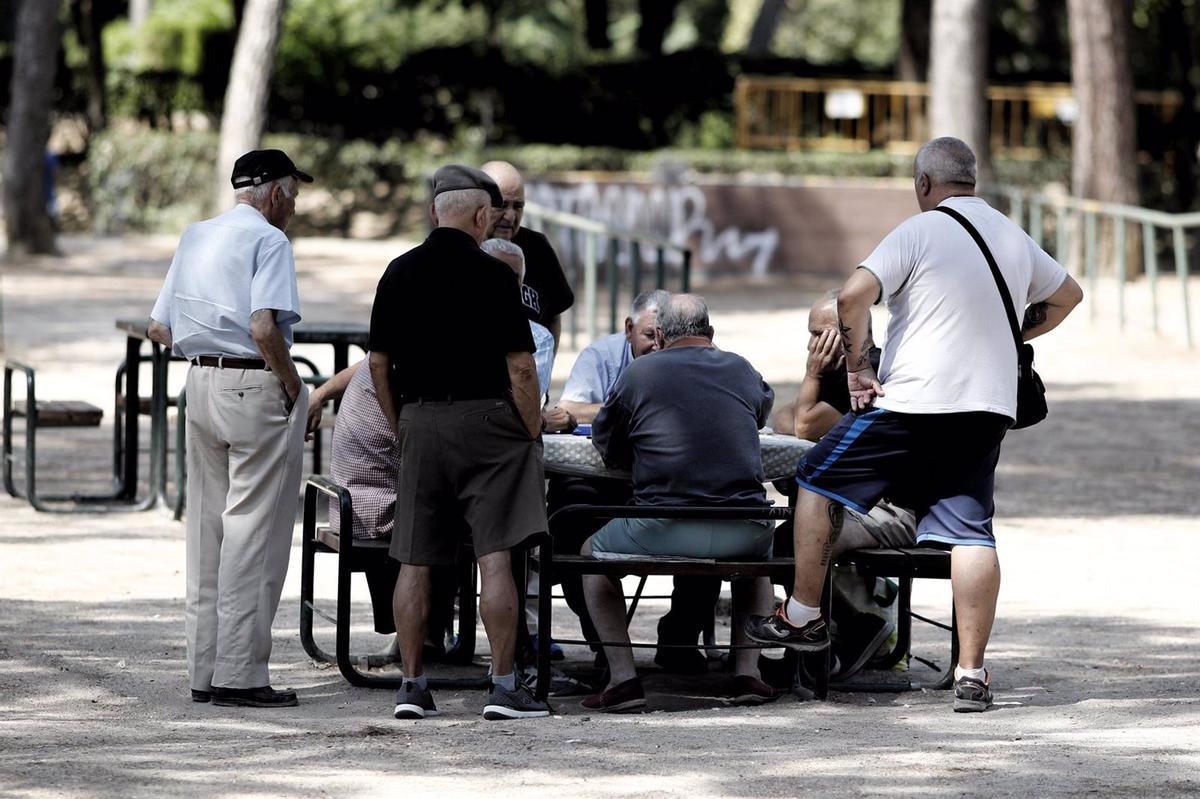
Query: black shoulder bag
(1031,394)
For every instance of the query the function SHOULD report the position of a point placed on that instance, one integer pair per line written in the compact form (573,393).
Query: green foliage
(714,130)
(148,180)
(171,39)
(158,181)
(834,31)
(324,37)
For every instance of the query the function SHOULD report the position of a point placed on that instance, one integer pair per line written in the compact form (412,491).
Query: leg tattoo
(837,516)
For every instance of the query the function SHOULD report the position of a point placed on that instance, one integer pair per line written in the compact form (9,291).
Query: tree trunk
(958,77)
(765,25)
(912,61)
(657,17)
(1185,127)
(87,29)
(139,10)
(596,15)
(245,112)
(1104,136)
(35,58)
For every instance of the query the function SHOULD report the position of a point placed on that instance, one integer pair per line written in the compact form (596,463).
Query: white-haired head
(684,316)
(508,252)
(946,161)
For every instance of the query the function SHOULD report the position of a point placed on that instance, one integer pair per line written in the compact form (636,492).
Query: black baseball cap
(261,166)
(454,177)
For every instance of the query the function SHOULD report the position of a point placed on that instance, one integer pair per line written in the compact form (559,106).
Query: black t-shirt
(833,389)
(447,314)
(546,291)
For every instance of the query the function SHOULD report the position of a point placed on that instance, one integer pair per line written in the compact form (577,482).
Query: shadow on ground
(94,696)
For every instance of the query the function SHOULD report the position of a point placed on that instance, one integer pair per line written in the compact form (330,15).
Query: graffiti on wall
(677,213)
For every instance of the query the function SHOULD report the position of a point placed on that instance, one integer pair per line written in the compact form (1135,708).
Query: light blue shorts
(683,538)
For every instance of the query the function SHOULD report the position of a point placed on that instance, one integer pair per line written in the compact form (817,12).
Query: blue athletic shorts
(942,466)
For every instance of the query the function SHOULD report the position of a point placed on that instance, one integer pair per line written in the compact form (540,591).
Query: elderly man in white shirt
(925,432)
(228,306)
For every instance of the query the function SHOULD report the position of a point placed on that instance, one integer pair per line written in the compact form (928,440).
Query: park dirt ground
(1094,653)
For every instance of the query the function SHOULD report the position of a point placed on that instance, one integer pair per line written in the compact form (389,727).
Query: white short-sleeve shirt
(949,347)
(225,269)
(543,355)
(597,368)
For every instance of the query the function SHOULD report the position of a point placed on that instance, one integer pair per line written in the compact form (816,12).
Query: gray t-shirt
(687,420)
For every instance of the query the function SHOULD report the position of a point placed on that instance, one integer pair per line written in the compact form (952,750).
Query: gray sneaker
(413,702)
(517,704)
(971,695)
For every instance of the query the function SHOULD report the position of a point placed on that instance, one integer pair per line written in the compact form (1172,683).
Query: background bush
(156,181)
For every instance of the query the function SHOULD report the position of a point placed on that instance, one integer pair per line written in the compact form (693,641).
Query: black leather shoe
(266,696)
(201,696)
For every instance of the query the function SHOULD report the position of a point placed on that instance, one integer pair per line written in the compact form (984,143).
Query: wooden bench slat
(62,413)
(144,403)
(905,562)
(374,546)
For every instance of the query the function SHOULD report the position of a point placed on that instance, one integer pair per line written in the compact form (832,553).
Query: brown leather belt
(226,362)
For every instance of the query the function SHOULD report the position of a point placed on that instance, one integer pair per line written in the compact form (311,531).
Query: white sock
(975,674)
(421,682)
(506,681)
(800,614)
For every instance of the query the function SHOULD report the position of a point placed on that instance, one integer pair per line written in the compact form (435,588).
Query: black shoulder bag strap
(1000,284)
(1031,394)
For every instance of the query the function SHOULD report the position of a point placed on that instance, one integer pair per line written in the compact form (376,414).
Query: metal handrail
(581,241)
(1026,204)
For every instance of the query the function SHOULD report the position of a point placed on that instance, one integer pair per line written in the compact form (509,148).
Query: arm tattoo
(1034,315)
(845,331)
(837,516)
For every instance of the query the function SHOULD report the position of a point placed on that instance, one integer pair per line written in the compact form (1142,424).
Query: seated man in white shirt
(600,363)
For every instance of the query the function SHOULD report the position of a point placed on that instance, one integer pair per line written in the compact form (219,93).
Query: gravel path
(1094,654)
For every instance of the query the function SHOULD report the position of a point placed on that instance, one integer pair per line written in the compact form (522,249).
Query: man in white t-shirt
(925,431)
(228,305)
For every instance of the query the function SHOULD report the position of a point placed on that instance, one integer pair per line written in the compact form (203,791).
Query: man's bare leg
(750,597)
(975,580)
(606,606)
(410,609)
(498,608)
(816,527)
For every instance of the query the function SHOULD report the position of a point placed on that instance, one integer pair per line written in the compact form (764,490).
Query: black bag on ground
(1031,393)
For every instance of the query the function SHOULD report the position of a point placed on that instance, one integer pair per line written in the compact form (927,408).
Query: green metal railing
(632,262)
(1070,215)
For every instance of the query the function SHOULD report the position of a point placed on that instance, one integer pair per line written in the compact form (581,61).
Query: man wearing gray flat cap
(464,400)
(228,305)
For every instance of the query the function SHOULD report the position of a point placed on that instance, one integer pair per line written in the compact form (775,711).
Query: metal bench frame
(356,556)
(904,564)
(120,499)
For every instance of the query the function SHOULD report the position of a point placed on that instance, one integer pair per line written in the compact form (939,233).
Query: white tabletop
(575,455)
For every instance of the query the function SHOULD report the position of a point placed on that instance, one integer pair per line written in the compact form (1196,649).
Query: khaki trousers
(244,456)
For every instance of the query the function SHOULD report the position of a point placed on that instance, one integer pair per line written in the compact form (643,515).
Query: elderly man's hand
(824,353)
(864,388)
(558,420)
(316,405)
